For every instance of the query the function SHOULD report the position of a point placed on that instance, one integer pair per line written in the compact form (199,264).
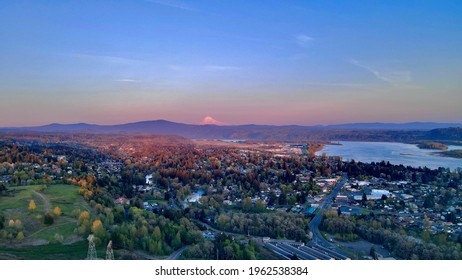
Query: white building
(148,179)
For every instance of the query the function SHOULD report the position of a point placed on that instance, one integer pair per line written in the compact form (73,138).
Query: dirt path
(46,203)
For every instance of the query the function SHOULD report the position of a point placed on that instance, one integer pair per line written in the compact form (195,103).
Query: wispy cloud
(206,68)
(106,58)
(303,40)
(127,81)
(393,77)
(173,4)
(328,84)
(221,68)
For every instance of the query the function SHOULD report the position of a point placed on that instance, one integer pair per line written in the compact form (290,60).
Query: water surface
(395,153)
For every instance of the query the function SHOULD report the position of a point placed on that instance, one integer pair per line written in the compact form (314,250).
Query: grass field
(66,197)
(21,198)
(64,228)
(14,207)
(76,251)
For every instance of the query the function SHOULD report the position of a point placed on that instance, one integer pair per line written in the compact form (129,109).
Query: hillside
(451,133)
(26,225)
(406,132)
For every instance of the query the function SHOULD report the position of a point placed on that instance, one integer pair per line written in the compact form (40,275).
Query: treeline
(343,227)
(408,248)
(380,230)
(225,247)
(136,229)
(392,172)
(453,153)
(34,162)
(278,225)
(432,145)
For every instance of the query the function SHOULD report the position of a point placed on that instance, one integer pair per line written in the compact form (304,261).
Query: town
(169,196)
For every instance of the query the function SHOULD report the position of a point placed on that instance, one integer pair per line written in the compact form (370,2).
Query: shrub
(48,219)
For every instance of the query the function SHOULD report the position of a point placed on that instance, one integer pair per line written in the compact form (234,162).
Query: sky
(264,62)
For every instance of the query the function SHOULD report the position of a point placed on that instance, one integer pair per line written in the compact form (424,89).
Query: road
(318,240)
(176,255)
(318,247)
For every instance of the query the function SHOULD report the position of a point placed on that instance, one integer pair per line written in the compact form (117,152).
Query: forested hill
(408,132)
(451,133)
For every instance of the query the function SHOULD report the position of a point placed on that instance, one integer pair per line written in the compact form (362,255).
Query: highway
(318,254)
(317,249)
(318,240)
(284,254)
(287,250)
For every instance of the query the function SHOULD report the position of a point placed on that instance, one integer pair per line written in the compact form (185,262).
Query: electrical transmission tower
(109,252)
(91,248)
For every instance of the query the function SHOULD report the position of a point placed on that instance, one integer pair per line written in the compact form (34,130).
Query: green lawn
(64,228)
(21,198)
(66,197)
(76,251)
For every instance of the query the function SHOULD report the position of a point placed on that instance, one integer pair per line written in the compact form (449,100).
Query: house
(122,201)
(148,179)
(208,235)
(350,211)
(343,198)
(309,211)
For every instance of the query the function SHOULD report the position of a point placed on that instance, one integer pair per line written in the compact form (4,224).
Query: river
(395,153)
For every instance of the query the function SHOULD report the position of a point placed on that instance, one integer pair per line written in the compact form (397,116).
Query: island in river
(452,153)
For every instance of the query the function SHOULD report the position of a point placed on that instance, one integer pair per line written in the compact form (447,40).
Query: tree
(20,235)
(176,242)
(373,253)
(2,221)
(247,204)
(57,211)
(83,217)
(98,229)
(260,205)
(272,200)
(48,219)
(32,205)
(18,224)
(282,200)
(157,235)
(364,198)
(426,236)
(451,217)
(429,201)
(3,188)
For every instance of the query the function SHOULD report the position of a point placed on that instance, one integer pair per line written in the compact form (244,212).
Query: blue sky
(271,62)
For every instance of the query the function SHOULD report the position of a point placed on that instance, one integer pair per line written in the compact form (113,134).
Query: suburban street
(177,254)
(317,249)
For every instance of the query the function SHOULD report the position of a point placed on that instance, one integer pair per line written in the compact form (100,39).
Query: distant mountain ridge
(395,126)
(362,131)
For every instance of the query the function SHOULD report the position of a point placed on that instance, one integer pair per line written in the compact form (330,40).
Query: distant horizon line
(242,124)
